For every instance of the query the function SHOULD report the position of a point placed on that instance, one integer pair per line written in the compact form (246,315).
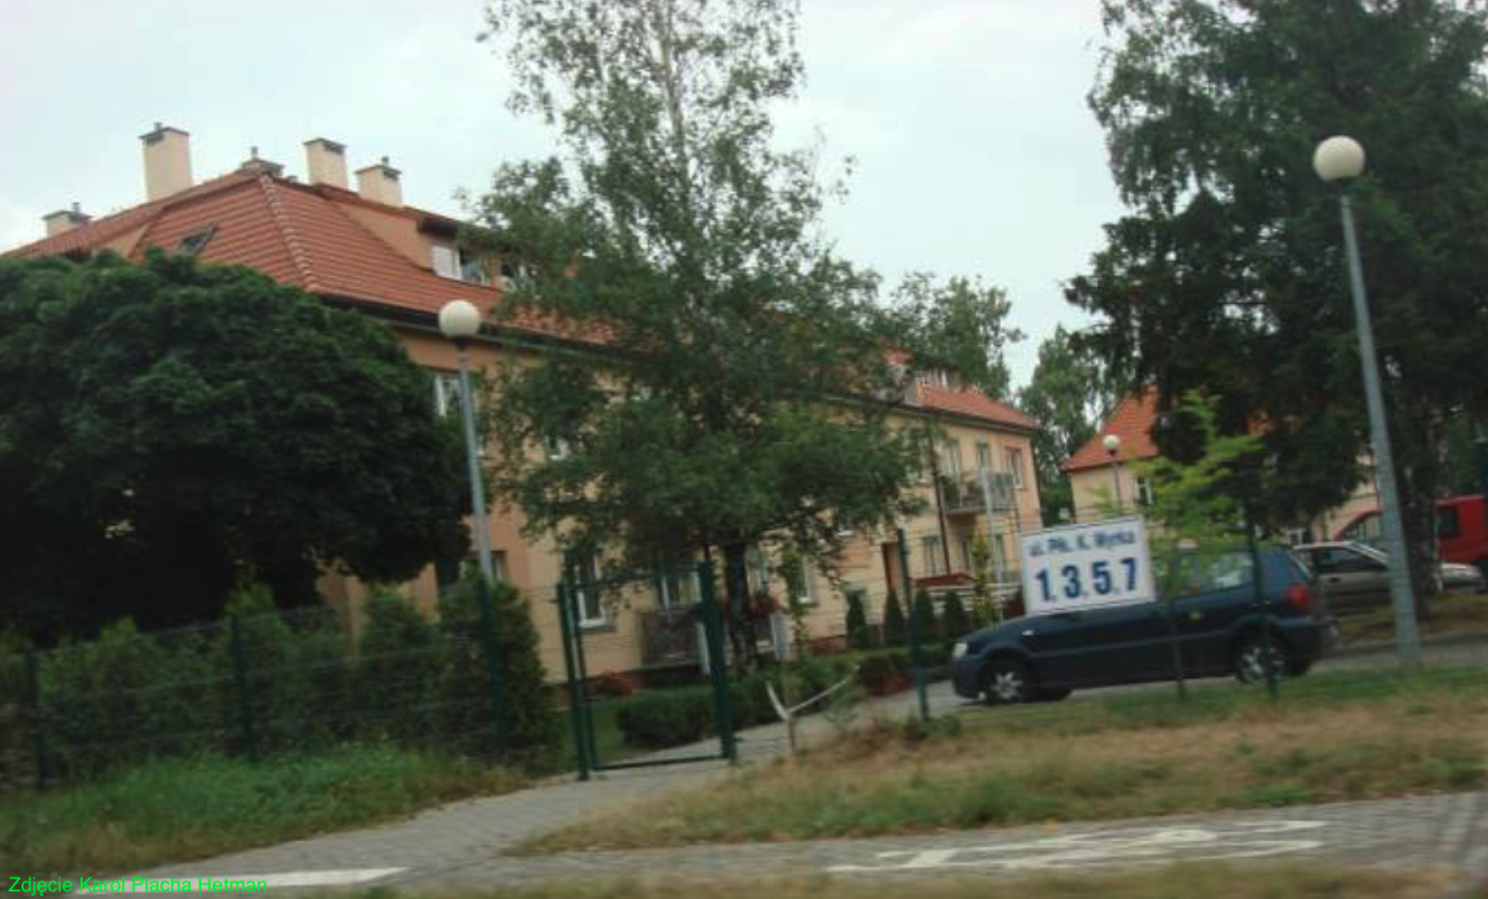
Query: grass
(176,810)
(1210,881)
(1332,737)
(1452,614)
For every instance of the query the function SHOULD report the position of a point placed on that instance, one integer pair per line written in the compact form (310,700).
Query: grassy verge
(1452,614)
(177,810)
(1259,881)
(1332,737)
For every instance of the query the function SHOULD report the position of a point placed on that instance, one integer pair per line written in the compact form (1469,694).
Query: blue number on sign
(1131,572)
(1072,588)
(1100,574)
(1043,579)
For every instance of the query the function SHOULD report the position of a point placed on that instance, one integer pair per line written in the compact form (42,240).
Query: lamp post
(1112,443)
(459,321)
(1341,159)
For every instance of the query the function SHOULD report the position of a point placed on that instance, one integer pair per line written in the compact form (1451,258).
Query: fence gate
(571,593)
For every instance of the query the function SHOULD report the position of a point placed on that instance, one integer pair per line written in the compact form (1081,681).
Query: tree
(895,625)
(1070,393)
(985,608)
(740,378)
(1227,273)
(954,620)
(927,626)
(858,636)
(171,430)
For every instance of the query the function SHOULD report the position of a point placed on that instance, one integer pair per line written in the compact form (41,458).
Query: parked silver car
(1353,576)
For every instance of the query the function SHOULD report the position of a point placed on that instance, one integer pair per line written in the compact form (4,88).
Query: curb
(1362,649)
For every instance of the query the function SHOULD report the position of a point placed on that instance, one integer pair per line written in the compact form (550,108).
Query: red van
(1461,528)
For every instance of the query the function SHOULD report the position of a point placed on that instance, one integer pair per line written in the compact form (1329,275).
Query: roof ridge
(287,232)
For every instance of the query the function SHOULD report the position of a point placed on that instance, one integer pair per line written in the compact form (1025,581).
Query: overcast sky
(976,153)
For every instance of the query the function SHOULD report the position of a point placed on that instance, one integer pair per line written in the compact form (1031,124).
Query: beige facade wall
(533,565)
(1095,491)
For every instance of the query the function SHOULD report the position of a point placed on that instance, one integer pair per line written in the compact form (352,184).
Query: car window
(1345,561)
(1199,574)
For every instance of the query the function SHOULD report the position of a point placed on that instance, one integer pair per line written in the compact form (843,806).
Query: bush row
(273,682)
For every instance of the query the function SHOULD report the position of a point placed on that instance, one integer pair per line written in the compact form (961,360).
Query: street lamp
(1341,159)
(1112,443)
(459,320)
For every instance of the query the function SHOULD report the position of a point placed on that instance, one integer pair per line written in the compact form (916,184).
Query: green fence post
(244,688)
(488,643)
(915,658)
(717,664)
(575,698)
(33,716)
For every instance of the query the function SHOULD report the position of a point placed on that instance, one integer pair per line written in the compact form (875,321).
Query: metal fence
(252,684)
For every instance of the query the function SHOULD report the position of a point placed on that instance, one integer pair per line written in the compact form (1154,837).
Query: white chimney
(167,161)
(325,160)
(64,220)
(379,183)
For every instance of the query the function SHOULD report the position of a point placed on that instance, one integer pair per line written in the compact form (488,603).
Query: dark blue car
(1218,623)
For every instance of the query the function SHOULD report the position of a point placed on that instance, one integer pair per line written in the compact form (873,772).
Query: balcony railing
(668,636)
(964,493)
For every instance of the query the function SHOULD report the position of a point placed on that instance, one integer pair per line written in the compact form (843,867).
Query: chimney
(167,161)
(254,164)
(325,160)
(64,220)
(379,183)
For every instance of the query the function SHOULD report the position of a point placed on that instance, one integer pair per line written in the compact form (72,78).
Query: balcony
(668,637)
(963,495)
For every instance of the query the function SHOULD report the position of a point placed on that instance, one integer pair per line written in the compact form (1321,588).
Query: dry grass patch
(1457,613)
(1088,761)
(1174,882)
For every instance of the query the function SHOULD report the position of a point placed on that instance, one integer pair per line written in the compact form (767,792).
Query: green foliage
(396,670)
(1228,273)
(666,718)
(711,423)
(984,610)
(172,429)
(1070,393)
(858,634)
(926,623)
(885,672)
(180,809)
(954,620)
(527,727)
(895,625)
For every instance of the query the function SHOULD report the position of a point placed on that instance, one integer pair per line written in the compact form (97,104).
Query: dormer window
(196,241)
(936,377)
(458,265)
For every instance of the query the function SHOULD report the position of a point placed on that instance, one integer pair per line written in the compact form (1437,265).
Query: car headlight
(959,650)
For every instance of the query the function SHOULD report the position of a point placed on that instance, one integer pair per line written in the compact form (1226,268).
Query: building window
(999,553)
(937,377)
(950,453)
(459,265)
(512,275)
(966,557)
(1015,466)
(446,393)
(196,241)
(678,589)
(934,557)
(1144,492)
(447,572)
(555,448)
(583,573)
(984,457)
(803,583)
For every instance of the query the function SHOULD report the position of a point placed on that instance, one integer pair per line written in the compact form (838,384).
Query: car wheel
(1051,694)
(1007,682)
(1255,654)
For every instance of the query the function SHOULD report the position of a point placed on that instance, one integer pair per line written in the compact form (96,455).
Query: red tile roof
(1132,421)
(303,235)
(974,404)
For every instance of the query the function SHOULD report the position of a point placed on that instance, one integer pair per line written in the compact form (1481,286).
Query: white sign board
(1086,566)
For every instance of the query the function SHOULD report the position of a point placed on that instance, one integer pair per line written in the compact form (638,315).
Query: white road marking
(1132,846)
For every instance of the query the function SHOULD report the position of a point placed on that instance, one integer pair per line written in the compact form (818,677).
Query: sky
(975,152)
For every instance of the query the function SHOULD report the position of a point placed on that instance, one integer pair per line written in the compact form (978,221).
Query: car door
(1350,579)
(1219,593)
(1091,647)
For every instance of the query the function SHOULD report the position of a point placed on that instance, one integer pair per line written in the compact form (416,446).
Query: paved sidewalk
(467,843)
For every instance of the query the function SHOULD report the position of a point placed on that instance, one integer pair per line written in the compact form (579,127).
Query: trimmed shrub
(528,730)
(883,673)
(924,617)
(670,718)
(858,635)
(396,671)
(895,626)
(954,618)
